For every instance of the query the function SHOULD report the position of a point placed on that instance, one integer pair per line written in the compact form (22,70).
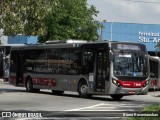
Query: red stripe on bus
(131,84)
(44,81)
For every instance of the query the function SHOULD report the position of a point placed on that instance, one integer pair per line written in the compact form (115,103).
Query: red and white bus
(108,68)
(154,63)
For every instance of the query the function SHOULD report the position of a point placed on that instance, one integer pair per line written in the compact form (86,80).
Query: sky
(128,11)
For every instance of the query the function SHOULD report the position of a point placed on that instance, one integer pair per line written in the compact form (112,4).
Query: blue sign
(148,34)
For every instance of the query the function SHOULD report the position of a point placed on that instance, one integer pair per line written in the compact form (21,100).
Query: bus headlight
(115,82)
(146,83)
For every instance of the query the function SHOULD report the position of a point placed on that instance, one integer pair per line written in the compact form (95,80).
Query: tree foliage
(50,19)
(25,17)
(158,49)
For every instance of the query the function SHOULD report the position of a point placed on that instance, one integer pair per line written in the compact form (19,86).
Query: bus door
(1,62)
(4,62)
(102,73)
(19,69)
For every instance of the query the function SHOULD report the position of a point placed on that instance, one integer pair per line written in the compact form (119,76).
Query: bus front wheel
(83,90)
(29,86)
(117,97)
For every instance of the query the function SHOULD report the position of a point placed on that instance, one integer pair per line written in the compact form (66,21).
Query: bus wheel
(29,85)
(57,92)
(116,97)
(83,90)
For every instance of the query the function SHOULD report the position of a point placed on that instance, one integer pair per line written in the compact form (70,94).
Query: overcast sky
(129,11)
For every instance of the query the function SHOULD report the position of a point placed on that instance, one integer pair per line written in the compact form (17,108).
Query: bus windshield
(130,63)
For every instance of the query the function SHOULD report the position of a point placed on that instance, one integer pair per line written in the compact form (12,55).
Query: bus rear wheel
(117,97)
(83,90)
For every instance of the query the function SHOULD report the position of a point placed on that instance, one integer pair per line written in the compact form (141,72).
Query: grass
(155,109)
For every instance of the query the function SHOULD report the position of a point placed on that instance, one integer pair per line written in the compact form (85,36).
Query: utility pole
(111,30)
(101,30)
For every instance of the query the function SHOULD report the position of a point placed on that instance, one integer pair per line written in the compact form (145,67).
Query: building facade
(148,34)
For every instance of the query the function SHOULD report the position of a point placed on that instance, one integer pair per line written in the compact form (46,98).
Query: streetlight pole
(111,29)
(101,25)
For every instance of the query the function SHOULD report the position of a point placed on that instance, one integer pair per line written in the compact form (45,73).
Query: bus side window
(75,60)
(53,60)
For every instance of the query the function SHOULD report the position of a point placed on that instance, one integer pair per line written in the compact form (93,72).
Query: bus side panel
(55,82)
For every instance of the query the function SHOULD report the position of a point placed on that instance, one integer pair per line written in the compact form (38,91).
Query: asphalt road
(16,99)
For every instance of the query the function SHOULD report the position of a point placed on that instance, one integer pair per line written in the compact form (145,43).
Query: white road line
(102,106)
(130,110)
(131,106)
(79,109)
(99,107)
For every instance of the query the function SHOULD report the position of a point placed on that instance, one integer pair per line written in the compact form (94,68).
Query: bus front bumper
(131,91)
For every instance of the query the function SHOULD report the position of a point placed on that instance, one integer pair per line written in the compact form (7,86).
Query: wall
(148,34)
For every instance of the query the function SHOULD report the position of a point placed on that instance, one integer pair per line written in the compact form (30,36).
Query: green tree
(50,19)
(158,49)
(25,17)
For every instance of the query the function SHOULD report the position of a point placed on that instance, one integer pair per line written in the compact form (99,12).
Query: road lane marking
(79,109)
(130,110)
(106,107)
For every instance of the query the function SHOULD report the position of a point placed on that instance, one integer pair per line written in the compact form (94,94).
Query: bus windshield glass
(130,63)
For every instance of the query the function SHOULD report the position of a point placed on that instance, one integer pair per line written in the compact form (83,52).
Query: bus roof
(69,45)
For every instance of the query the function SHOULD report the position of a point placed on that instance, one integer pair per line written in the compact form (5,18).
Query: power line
(140,1)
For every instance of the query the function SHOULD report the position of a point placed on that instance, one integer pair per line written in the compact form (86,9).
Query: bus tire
(29,86)
(83,90)
(117,97)
(57,92)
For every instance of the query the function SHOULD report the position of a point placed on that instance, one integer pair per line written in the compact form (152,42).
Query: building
(18,40)
(148,34)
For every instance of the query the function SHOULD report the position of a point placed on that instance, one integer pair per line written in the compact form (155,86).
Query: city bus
(4,62)
(154,63)
(89,68)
